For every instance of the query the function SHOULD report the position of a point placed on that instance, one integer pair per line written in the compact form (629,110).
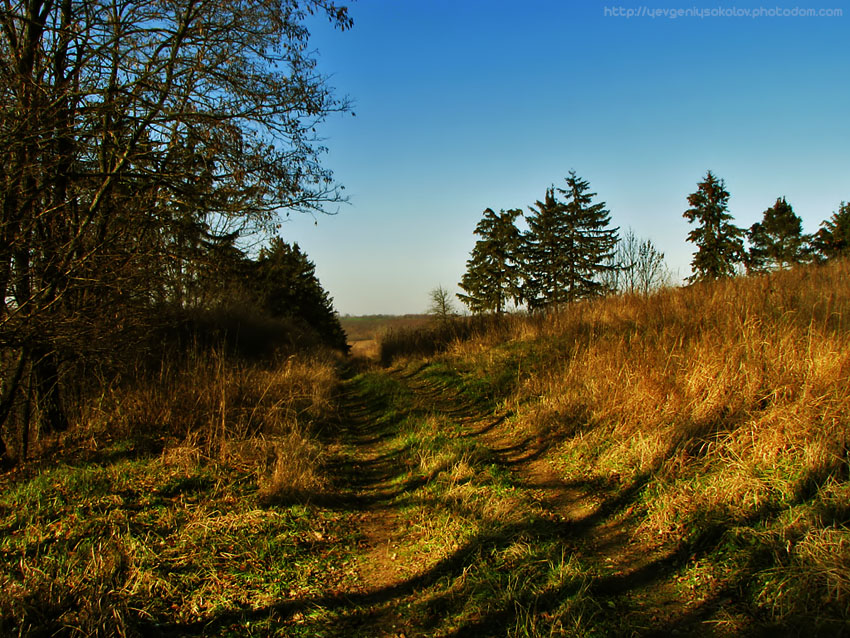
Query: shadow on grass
(446,590)
(359,604)
(470,592)
(380,480)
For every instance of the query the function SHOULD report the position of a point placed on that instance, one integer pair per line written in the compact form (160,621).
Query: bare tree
(442,307)
(136,135)
(638,266)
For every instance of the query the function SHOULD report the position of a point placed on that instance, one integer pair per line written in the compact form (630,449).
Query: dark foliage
(141,140)
(778,240)
(284,283)
(493,276)
(568,246)
(719,243)
(833,238)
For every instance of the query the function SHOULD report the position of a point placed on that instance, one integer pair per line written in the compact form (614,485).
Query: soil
(624,561)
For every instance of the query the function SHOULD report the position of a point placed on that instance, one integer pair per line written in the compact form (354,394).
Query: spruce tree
(777,241)
(492,272)
(568,246)
(547,253)
(720,243)
(833,237)
(286,286)
(596,242)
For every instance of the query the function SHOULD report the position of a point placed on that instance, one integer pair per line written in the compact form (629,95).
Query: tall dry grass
(724,406)
(261,418)
(151,508)
(437,336)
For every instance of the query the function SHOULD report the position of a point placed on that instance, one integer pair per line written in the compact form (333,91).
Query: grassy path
(439,518)
(464,528)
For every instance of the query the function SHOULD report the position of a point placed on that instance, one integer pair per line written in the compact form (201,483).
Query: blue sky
(466,105)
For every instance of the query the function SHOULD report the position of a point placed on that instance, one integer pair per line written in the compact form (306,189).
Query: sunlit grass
(720,410)
(125,547)
(156,512)
(708,424)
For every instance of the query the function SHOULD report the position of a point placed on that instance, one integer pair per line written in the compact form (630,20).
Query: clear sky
(463,105)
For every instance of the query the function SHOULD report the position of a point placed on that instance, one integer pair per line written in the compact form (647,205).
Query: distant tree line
(143,143)
(570,251)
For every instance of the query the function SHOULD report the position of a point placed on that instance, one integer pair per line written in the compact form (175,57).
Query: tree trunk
(52,417)
(24,419)
(7,395)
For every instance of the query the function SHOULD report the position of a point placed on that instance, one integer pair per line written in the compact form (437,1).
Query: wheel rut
(372,477)
(610,540)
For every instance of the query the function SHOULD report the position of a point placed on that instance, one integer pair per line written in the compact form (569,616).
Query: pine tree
(720,243)
(547,253)
(568,246)
(492,272)
(596,241)
(833,237)
(777,241)
(286,286)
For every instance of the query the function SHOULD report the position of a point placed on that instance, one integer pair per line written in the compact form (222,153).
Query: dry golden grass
(365,348)
(367,327)
(154,507)
(726,405)
(260,418)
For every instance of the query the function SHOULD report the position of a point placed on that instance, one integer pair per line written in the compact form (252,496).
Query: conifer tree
(492,277)
(720,243)
(833,237)
(547,253)
(777,241)
(286,286)
(568,246)
(596,240)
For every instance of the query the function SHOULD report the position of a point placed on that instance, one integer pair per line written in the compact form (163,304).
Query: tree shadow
(490,424)
(358,604)
(448,588)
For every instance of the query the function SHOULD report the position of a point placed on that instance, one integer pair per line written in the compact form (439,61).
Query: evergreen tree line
(570,251)
(279,283)
(777,241)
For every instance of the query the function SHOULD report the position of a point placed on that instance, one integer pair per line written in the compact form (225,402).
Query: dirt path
(629,584)
(623,559)
(365,477)
(609,541)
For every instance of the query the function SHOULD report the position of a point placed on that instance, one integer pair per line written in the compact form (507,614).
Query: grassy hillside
(159,507)
(712,418)
(630,466)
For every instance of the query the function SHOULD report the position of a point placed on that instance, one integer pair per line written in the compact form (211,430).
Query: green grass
(712,420)
(696,464)
(492,561)
(134,545)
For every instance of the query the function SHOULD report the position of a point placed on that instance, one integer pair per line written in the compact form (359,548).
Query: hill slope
(632,466)
(712,420)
